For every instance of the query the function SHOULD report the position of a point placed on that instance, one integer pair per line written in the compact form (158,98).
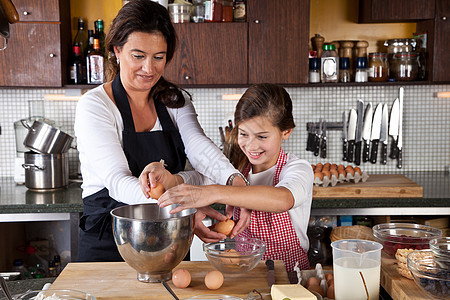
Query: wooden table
(117,280)
(398,287)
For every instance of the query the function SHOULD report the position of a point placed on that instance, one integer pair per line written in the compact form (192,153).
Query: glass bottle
(57,260)
(81,38)
(100,35)
(378,67)
(19,267)
(36,264)
(213,11)
(239,11)
(329,64)
(227,11)
(94,65)
(361,69)
(404,66)
(198,11)
(90,46)
(344,69)
(314,70)
(52,269)
(76,66)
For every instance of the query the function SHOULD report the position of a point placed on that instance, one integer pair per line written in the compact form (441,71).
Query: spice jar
(344,69)
(329,64)
(213,11)
(378,67)
(314,70)
(404,66)
(227,11)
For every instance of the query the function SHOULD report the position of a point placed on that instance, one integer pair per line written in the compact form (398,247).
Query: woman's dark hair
(260,100)
(148,17)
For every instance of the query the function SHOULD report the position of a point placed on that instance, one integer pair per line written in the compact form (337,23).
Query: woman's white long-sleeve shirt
(98,130)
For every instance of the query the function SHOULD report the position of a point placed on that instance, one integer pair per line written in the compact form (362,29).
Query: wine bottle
(76,66)
(81,38)
(94,64)
(100,35)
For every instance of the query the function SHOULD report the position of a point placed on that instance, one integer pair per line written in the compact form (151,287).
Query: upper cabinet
(272,46)
(38,46)
(379,11)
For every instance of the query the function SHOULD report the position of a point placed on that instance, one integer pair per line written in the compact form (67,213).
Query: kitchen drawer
(37,10)
(33,56)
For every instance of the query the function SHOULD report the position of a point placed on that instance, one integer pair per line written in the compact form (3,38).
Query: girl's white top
(297,176)
(98,130)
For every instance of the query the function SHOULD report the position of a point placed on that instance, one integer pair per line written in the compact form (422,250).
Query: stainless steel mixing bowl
(151,240)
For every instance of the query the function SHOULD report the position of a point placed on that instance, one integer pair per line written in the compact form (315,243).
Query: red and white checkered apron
(276,229)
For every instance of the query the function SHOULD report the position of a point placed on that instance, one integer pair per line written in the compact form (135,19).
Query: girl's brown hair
(148,17)
(260,100)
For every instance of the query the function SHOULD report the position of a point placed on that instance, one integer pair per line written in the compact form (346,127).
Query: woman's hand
(187,196)
(203,232)
(154,172)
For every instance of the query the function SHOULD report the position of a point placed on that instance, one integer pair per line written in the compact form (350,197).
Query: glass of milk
(356,268)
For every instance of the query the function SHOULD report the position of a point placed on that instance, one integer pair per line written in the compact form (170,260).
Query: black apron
(96,240)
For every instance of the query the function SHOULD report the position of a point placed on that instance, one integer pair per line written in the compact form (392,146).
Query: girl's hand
(154,172)
(203,232)
(187,196)
(242,223)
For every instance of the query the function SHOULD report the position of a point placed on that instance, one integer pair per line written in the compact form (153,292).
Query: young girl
(280,191)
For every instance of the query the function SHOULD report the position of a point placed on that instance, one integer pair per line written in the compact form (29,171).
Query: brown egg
(328,276)
(313,167)
(214,280)
(312,281)
(319,167)
(224,227)
(357,169)
(330,292)
(330,282)
(341,167)
(317,289)
(334,172)
(351,171)
(342,171)
(318,174)
(326,173)
(333,167)
(327,165)
(181,278)
(231,259)
(157,191)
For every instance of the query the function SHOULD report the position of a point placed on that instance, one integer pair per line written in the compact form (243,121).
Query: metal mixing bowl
(151,240)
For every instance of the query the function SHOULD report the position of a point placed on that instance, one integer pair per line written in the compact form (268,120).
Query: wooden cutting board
(376,186)
(398,287)
(117,280)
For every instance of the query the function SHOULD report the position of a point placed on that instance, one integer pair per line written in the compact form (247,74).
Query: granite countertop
(18,199)
(21,286)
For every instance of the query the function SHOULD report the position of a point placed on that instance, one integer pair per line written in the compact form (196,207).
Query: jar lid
(400,42)
(344,63)
(361,62)
(314,63)
(329,47)
(372,54)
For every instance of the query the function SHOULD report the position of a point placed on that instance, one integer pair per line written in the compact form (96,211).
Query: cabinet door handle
(52,55)
(26,13)
(444,18)
(187,77)
(256,21)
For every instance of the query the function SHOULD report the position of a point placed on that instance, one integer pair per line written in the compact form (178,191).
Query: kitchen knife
(393,128)
(384,134)
(375,135)
(310,140)
(270,272)
(400,129)
(351,134)
(367,125)
(318,139)
(323,142)
(358,139)
(344,136)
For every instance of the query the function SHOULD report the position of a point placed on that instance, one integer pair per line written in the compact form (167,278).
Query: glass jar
(400,45)
(198,11)
(378,67)
(329,64)
(344,69)
(314,70)
(361,69)
(404,66)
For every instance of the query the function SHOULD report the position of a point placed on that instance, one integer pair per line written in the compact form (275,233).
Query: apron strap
(121,98)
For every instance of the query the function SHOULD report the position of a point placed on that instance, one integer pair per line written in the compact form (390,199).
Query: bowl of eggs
(235,256)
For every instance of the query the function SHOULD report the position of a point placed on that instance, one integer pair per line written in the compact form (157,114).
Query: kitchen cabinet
(271,47)
(377,11)
(438,31)
(39,46)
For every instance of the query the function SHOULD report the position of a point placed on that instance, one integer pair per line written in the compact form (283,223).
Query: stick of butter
(291,292)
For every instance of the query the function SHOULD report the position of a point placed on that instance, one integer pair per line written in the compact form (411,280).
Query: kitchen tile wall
(426,121)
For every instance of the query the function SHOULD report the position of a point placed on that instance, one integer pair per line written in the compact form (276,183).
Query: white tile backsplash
(426,121)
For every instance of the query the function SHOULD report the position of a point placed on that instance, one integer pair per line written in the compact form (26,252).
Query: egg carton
(319,273)
(341,179)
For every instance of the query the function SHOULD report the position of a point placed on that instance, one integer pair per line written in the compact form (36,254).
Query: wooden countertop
(117,280)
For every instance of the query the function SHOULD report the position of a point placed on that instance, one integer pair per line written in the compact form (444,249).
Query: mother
(135,119)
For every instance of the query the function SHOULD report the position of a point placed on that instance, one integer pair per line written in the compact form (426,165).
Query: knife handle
(394,150)
(344,150)
(399,158)
(270,265)
(366,151)
(383,153)
(351,148)
(316,145)
(323,148)
(358,153)
(374,153)
(309,142)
